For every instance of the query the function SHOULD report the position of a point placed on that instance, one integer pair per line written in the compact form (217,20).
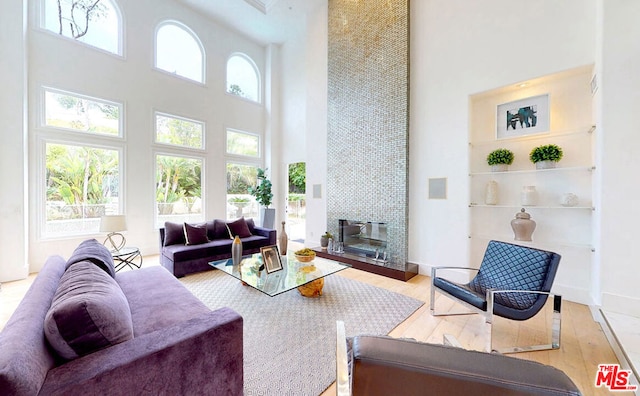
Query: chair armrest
(267,233)
(434,270)
(202,355)
(343,385)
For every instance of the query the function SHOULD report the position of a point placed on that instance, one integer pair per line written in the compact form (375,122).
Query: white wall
(64,64)
(460,48)
(13,156)
(619,95)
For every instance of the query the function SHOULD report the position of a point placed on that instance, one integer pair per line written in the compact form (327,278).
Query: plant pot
(499,168)
(324,242)
(545,164)
(268,216)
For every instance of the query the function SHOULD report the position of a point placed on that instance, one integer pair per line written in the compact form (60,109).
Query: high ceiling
(265,21)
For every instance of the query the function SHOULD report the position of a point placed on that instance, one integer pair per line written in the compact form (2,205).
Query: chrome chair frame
(488,314)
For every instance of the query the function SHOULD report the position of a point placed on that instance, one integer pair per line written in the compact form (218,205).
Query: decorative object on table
(313,288)
(324,240)
(500,159)
(263,195)
(569,199)
(491,193)
(338,247)
(283,240)
(529,196)
(271,258)
(546,157)
(114,225)
(305,255)
(523,226)
(236,250)
(523,117)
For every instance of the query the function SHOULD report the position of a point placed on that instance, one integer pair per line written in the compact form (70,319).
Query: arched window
(94,22)
(179,51)
(243,78)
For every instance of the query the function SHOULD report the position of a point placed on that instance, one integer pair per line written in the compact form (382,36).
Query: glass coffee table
(308,278)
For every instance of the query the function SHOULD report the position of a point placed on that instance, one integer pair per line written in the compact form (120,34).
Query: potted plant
(500,159)
(263,195)
(324,239)
(546,156)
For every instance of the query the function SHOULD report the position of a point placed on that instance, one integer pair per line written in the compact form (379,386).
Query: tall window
(178,189)
(179,51)
(243,78)
(82,183)
(93,22)
(81,113)
(239,202)
(179,131)
(243,143)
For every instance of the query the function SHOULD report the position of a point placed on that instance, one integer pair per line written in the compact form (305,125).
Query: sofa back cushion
(95,252)
(173,234)
(217,229)
(195,234)
(89,312)
(25,358)
(238,227)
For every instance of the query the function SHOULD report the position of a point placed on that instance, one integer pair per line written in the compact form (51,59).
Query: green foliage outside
(178,178)
(81,177)
(92,115)
(179,132)
(240,178)
(235,90)
(298,177)
(549,152)
(500,156)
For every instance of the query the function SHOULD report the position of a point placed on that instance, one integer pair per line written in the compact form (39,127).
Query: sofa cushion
(173,234)
(195,234)
(95,252)
(252,226)
(238,227)
(217,229)
(89,312)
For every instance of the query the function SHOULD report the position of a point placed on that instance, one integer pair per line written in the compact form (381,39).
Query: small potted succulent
(324,239)
(546,156)
(500,159)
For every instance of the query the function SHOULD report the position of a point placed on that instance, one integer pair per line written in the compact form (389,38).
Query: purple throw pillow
(173,234)
(195,234)
(89,312)
(238,227)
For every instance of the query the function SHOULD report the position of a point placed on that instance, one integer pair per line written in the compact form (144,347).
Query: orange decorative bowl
(305,259)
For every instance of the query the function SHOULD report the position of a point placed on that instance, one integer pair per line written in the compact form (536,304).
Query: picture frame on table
(271,258)
(528,116)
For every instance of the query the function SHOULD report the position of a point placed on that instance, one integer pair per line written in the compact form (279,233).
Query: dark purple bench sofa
(178,345)
(182,259)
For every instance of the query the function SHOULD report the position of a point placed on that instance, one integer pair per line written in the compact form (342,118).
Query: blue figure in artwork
(526,116)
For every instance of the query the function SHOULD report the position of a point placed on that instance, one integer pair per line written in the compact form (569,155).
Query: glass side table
(127,257)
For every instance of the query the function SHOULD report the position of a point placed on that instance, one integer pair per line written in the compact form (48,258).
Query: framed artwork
(271,258)
(523,117)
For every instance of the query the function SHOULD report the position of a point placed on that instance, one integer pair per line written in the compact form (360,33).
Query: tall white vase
(529,196)
(491,193)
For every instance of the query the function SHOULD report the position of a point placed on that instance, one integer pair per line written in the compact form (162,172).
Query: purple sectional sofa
(181,257)
(170,344)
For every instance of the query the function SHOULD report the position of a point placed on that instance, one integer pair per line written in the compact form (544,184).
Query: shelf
(586,130)
(526,171)
(476,205)
(535,243)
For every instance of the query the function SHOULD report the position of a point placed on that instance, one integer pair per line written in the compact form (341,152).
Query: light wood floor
(584,344)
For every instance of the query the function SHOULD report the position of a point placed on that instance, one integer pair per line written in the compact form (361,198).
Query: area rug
(289,340)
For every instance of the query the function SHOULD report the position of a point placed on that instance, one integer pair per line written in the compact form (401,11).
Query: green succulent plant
(549,152)
(500,156)
(262,191)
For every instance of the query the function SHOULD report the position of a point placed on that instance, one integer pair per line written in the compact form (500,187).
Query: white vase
(499,168)
(569,199)
(529,196)
(491,193)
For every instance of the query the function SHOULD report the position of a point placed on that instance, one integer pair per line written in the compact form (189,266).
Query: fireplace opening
(364,238)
